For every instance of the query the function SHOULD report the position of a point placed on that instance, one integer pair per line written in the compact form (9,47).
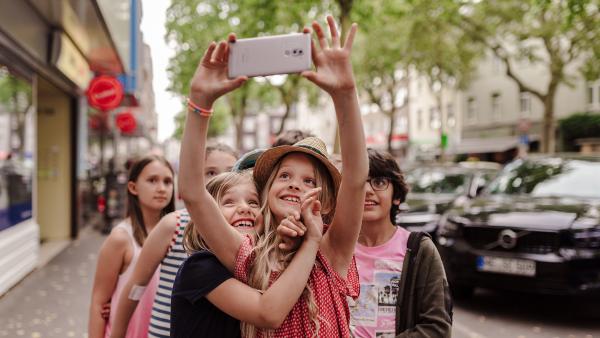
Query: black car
(535,228)
(434,188)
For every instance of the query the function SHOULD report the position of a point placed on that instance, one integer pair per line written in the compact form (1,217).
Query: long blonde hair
(269,258)
(217,187)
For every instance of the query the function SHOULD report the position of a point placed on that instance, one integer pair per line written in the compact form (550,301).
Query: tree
(556,35)
(193,24)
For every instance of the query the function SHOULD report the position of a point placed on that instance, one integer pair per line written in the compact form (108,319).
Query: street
(53,302)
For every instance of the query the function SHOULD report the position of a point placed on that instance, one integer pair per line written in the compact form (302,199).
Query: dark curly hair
(383,164)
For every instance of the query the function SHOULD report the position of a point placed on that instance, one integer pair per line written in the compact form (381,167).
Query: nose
(369,188)
(243,208)
(294,185)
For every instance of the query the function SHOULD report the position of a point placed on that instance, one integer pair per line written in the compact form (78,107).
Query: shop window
(525,104)
(16,148)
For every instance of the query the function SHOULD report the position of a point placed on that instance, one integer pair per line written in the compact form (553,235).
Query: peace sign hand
(334,68)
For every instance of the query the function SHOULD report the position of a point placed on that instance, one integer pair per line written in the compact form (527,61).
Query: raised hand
(332,60)
(210,80)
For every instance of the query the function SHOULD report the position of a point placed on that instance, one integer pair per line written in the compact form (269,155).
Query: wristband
(192,107)
(136,292)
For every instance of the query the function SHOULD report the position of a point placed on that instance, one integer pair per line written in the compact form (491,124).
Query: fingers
(237,82)
(306,30)
(291,228)
(287,244)
(231,38)
(219,54)
(350,37)
(320,35)
(309,75)
(335,38)
(209,52)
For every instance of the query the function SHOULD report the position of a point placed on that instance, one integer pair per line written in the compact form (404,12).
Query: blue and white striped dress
(160,322)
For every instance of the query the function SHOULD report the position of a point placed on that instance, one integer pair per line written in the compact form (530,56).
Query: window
(495,105)
(419,119)
(434,118)
(591,94)
(525,104)
(16,148)
(471,106)
(450,118)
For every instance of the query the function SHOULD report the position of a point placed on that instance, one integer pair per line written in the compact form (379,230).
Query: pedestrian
(150,197)
(164,247)
(403,287)
(284,175)
(207,300)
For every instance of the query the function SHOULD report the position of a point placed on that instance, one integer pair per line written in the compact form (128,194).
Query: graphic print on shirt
(376,305)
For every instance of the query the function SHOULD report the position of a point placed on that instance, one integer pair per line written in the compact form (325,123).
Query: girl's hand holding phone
(210,80)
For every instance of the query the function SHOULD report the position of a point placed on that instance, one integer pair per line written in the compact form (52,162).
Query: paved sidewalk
(53,301)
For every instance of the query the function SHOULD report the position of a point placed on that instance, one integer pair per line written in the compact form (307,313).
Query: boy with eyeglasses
(393,264)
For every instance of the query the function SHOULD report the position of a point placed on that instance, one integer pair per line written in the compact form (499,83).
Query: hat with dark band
(312,146)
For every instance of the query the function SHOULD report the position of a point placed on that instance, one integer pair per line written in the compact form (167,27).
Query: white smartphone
(270,55)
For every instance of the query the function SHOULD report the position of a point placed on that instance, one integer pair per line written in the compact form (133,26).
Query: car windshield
(437,181)
(549,178)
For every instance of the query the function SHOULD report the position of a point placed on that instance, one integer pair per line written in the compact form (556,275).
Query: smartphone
(270,55)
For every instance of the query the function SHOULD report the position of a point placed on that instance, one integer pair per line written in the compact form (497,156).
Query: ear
(131,187)
(396,202)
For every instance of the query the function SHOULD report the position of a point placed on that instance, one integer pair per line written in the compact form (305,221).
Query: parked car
(434,188)
(535,228)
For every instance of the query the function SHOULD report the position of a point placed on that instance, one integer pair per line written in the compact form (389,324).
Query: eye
(168,181)
(211,173)
(284,175)
(228,202)
(380,182)
(152,179)
(310,181)
(253,203)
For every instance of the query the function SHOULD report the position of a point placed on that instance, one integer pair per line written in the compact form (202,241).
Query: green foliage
(580,125)
(193,24)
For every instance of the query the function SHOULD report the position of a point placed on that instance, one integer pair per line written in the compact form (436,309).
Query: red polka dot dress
(329,289)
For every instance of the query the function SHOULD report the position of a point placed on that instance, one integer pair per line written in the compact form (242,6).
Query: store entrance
(54,164)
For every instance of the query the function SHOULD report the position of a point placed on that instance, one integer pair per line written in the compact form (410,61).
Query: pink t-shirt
(373,314)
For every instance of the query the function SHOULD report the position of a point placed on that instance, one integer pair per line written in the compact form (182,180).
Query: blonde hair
(269,258)
(217,187)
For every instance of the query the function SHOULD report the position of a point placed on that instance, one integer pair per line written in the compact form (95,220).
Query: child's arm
(110,262)
(208,84)
(334,75)
(270,308)
(154,250)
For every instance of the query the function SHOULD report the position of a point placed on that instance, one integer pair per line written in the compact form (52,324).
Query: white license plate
(511,266)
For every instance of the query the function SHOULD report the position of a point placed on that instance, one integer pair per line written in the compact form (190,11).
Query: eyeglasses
(379,183)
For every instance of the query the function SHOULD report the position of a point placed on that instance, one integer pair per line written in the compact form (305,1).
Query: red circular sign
(126,123)
(105,93)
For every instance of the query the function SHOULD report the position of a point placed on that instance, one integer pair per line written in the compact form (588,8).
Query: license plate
(511,266)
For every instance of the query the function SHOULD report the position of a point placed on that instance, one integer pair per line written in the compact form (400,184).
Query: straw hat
(312,146)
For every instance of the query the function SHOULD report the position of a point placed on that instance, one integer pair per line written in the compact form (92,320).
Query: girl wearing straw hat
(285,175)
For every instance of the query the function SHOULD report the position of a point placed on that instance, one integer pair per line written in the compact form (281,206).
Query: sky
(153,27)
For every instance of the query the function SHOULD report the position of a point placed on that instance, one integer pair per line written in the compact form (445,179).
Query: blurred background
(479,101)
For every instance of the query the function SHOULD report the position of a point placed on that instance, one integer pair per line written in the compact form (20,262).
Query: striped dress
(160,322)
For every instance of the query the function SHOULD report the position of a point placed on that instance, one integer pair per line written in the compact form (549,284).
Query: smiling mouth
(291,199)
(243,223)
(370,204)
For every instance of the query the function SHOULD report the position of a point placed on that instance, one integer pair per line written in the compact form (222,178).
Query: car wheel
(462,291)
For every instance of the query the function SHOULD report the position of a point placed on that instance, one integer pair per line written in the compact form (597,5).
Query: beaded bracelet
(193,108)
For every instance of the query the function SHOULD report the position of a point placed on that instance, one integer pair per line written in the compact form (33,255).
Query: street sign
(126,122)
(105,93)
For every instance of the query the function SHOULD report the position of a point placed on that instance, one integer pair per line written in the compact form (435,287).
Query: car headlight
(448,227)
(588,238)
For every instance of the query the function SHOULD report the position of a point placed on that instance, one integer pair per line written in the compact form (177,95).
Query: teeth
(244,224)
(370,203)
(291,199)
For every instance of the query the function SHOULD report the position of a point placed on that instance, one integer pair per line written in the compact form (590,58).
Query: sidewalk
(53,301)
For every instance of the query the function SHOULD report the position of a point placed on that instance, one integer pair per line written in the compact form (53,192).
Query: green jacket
(424,306)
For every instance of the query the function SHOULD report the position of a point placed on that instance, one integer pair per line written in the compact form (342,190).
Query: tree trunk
(288,108)
(392,117)
(548,128)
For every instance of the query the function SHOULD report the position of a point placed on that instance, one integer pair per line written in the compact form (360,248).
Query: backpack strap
(412,249)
